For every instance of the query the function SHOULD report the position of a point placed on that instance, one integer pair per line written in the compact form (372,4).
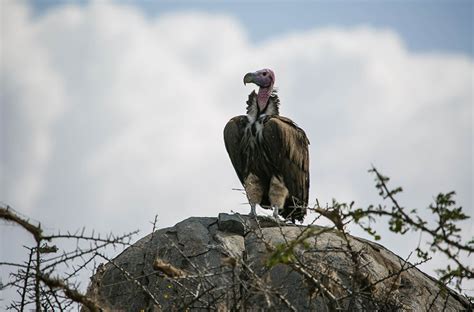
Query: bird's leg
(277,194)
(275,213)
(254,192)
(253,210)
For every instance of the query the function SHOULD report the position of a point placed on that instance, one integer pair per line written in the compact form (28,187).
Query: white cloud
(111,117)
(27,83)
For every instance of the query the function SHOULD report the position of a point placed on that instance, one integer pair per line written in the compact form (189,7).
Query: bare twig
(132,279)
(71,293)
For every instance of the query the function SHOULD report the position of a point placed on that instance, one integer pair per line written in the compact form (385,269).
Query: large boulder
(239,263)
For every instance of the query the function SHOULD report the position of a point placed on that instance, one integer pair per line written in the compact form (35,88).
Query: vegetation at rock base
(47,279)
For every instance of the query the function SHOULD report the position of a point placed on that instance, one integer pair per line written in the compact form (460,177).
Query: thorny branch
(129,277)
(238,281)
(71,293)
(7,214)
(444,235)
(34,274)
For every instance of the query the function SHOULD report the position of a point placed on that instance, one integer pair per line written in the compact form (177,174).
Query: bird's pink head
(264,78)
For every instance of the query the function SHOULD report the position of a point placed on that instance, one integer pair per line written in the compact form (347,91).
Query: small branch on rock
(168,269)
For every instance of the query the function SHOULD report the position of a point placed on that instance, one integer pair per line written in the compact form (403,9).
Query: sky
(112,111)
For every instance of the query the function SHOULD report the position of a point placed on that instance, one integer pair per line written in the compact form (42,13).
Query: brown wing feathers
(288,149)
(233,133)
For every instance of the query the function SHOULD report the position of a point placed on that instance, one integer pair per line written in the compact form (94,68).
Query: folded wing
(287,148)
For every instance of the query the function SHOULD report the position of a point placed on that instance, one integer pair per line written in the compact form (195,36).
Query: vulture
(269,152)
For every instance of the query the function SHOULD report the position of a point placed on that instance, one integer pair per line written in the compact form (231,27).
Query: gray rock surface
(225,264)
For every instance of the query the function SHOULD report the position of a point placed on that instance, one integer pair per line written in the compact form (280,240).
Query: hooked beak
(249,78)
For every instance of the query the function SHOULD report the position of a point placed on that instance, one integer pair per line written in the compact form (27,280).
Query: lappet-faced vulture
(269,152)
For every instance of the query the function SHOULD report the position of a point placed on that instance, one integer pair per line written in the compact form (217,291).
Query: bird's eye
(264,73)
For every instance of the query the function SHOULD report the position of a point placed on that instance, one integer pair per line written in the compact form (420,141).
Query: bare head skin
(265,79)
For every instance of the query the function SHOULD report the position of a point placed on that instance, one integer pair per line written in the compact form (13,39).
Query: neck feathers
(254,110)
